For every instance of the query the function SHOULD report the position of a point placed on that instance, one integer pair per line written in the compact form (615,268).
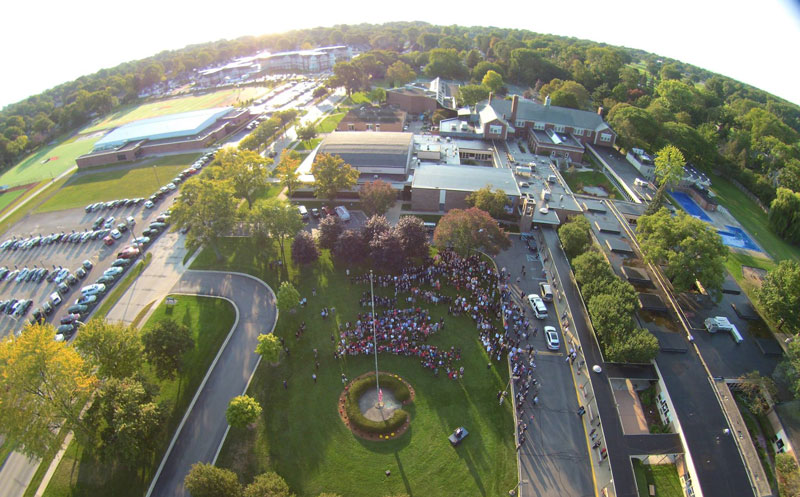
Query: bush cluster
(357,389)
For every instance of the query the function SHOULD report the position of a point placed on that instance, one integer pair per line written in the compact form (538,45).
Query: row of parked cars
(113,204)
(173,185)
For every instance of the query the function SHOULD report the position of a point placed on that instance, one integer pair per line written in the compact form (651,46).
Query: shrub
(357,389)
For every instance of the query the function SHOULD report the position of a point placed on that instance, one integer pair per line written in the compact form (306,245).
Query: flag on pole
(380,395)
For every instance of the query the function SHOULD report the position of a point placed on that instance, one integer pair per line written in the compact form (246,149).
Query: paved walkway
(204,427)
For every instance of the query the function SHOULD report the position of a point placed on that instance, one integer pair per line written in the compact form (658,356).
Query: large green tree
(348,76)
(165,344)
(207,480)
(491,201)
(445,63)
(116,349)
(288,297)
(469,230)
(400,73)
(242,410)
(45,383)
(287,171)
(208,207)
(636,127)
(246,170)
(306,133)
(276,219)
(493,80)
(779,295)
(332,175)
(377,197)
(268,485)
(669,164)
(784,215)
(472,94)
(575,236)
(688,248)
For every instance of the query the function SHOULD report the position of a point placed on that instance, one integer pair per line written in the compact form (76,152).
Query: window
(495,129)
(351,127)
(539,126)
(121,157)
(605,137)
(519,124)
(369,127)
(559,128)
(577,131)
(377,127)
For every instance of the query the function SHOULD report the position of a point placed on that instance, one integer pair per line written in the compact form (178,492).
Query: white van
(303,212)
(343,213)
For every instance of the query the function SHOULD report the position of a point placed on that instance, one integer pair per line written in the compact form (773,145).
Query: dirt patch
(754,275)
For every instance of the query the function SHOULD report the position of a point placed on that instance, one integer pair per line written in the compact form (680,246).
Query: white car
(149,204)
(113,271)
(93,289)
(172,186)
(537,304)
(55,298)
(109,222)
(131,221)
(115,234)
(551,337)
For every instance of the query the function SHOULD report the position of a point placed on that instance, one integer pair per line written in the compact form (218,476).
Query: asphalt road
(204,428)
(16,473)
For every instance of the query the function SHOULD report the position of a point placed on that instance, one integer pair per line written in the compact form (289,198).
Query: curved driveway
(204,426)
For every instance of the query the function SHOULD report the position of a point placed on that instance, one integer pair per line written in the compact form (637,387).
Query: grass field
(329,123)
(7,198)
(176,105)
(664,477)
(61,157)
(307,145)
(753,219)
(577,180)
(356,98)
(79,474)
(300,434)
(122,182)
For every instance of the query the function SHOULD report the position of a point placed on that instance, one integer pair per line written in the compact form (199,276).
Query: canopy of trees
(466,231)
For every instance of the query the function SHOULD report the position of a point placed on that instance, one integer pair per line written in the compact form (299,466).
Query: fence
(749,194)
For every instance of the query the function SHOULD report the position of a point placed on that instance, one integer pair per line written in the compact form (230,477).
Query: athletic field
(50,160)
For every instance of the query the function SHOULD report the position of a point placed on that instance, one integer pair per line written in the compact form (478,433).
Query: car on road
(546,291)
(551,337)
(537,305)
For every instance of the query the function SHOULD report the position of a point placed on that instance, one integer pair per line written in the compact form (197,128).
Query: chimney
(514,106)
(491,94)
(600,111)
(547,101)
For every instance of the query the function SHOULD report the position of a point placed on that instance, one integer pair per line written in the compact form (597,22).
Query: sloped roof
(529,110)
(369,149)
(464,178)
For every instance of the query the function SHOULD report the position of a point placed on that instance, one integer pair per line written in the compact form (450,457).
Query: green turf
(308,145)
(120,182)
(176,105)
(210,321)
(664,477)
(301,436)
(577,180)
(330,123)
(356,98)
(753,219)
(62,156)
(121,286)
(7,198)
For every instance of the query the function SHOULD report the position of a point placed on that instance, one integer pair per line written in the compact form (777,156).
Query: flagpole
(375,341)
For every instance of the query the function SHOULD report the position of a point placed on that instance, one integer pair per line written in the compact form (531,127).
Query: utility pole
(375,342)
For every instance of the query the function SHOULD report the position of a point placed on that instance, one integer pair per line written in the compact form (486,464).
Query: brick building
(439,188)
(373,118)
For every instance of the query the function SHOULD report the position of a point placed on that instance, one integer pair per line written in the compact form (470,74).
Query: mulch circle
(375,437)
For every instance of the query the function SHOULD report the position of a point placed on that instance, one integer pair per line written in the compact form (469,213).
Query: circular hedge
(361,385)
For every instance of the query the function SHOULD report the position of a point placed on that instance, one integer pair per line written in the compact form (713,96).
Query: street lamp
(155,171)
(513,491)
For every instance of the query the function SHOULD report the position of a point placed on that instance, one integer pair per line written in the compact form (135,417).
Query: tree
(492,80)
(638,346)
(470,230)
(165,345)
(287,171)
(269,346)
(784,215)
(45,383)
(788,474)
(590,267)
(329,230)
(207,480)
(568,91)
(208,207)
(386,250)
(127,421)
(483,67)
(445,63)
(114,348)
(472,94)
(331,175)
(636,127)
(377,95)
(277,219)
(306,133)
(242,410)
(690,250)
(669,163)
(491,201)
(288,297)
(374,226)
(348,76)
(377,197)
(576,236)
(350,247)
(400,73)
(413,236)
(246,170)
(267,485)
(779,295)
(304,249)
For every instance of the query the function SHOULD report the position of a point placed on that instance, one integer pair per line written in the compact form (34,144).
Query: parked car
(55,298)
(108,240)
(107,279)
(87,264)
(77,309)
(129,253)
(551,337)
(121,263)
(86,300)
(93,289)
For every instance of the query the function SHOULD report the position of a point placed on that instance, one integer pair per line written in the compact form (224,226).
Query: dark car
(87,264)
(66,329)
(98,222)
(80,273)
(47,307)
(10,306)
(62,288)
(38,316)
(71,279)
(107,279)
(77,309)
(121,263)
(70,318)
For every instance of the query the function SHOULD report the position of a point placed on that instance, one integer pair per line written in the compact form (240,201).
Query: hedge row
(357,389)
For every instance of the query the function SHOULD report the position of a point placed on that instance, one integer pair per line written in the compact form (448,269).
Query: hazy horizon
(67,44)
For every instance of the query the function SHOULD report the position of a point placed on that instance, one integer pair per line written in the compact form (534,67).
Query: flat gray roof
(617,245)
(607,227)
(594,206)
(369,148)
(464,178)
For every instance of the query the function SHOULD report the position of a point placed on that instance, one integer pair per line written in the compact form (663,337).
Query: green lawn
(7,198)
(330,122)
(300,435)
(356,98)
(753,219)
(79,474)
(48,162)
(121,286)
(176,105)
(307,145)
(577,180)
(664,477)
(121,182)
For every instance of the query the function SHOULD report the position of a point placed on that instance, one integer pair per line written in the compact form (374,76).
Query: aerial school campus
(560,294)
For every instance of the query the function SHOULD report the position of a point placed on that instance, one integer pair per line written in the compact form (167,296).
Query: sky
(48,42)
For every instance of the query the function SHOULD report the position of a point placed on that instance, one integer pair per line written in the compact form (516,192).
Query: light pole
(513,491)
(379,405)
(155,171)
